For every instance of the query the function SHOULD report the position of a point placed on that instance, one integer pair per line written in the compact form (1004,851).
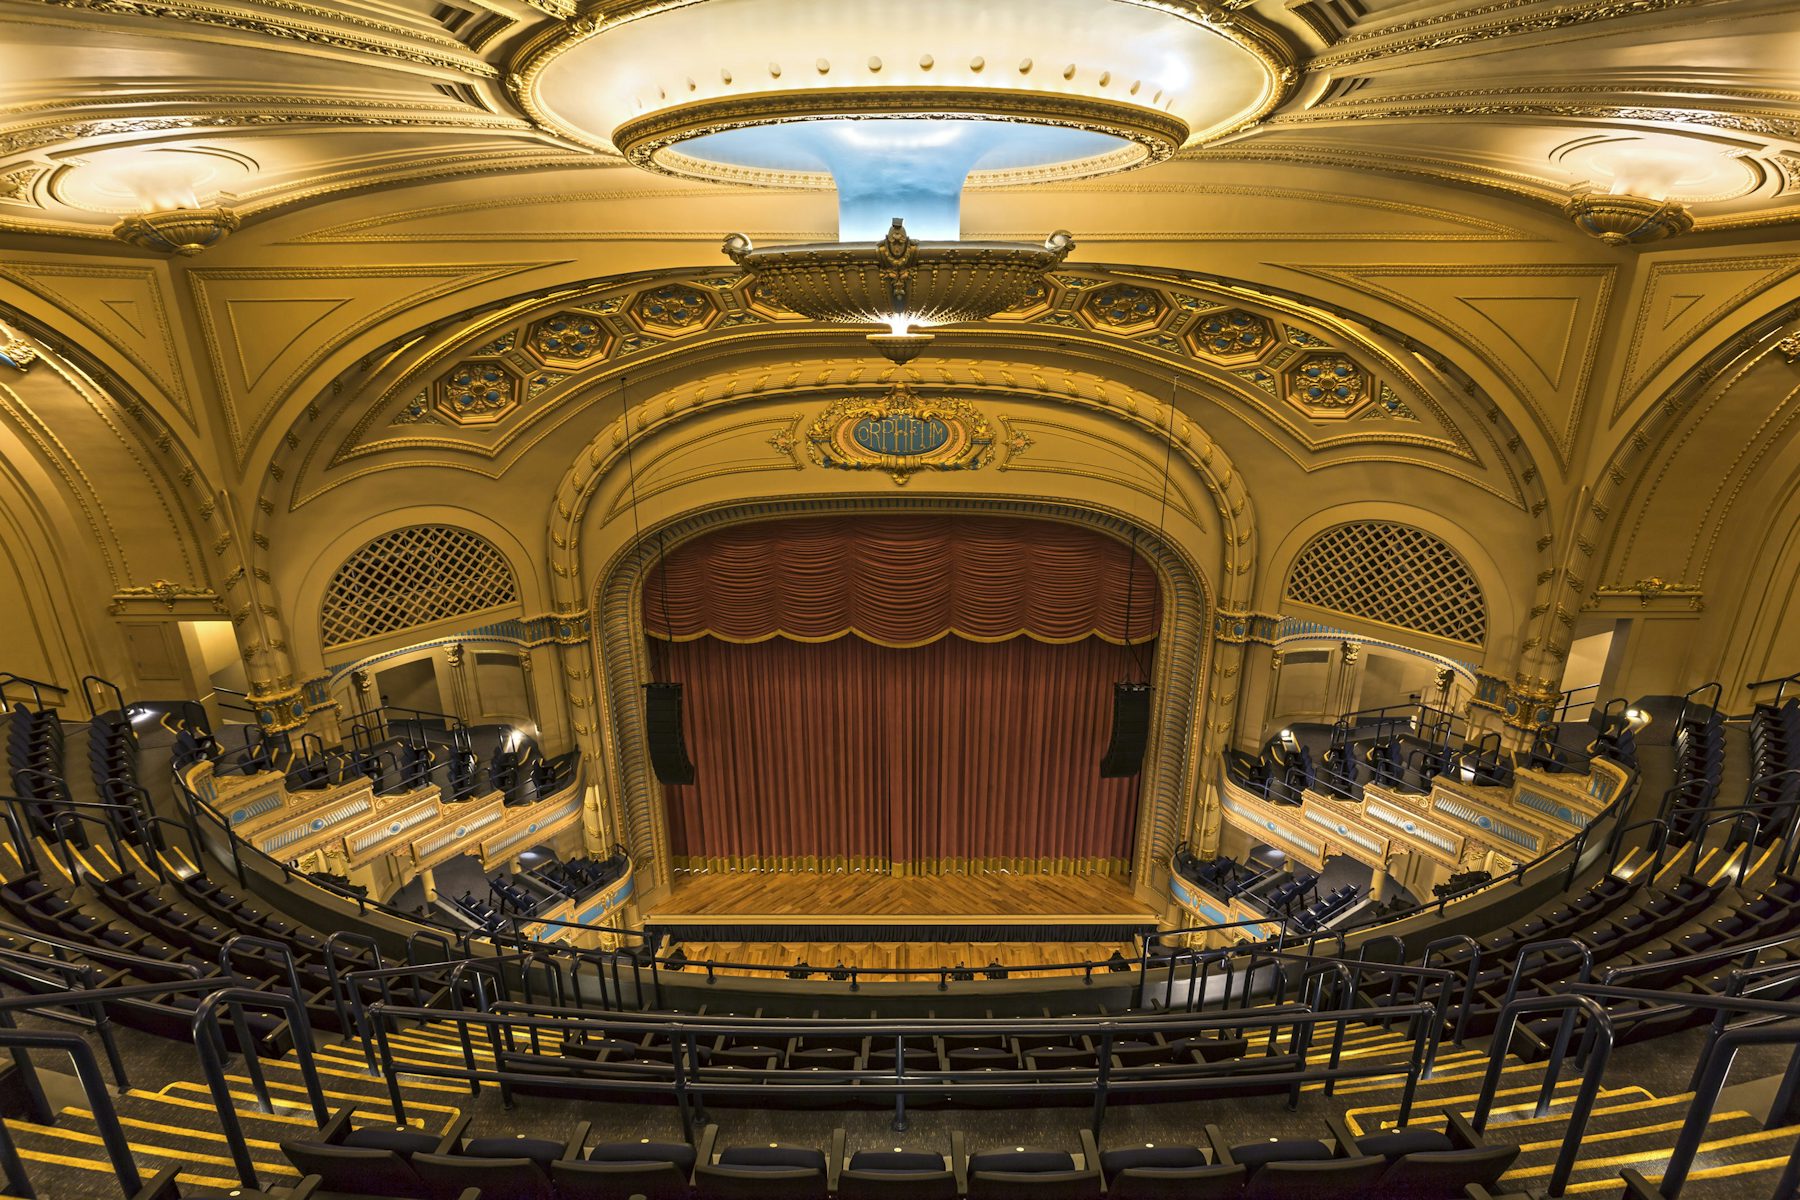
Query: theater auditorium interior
(714,599)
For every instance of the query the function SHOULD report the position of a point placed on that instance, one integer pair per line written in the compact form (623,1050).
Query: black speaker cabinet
(662,726)
(1130,731)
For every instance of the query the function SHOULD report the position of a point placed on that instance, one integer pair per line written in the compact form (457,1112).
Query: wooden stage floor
(889,923)
(886,899)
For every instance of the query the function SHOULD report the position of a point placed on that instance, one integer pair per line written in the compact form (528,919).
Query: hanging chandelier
(899,282)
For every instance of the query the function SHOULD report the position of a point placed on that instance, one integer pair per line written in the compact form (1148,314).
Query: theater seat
(713,1182)
(1035,1185)
(1331,1179)
(1130,1158)
(1222,1182)
(605,1180)
(446,1175)
(356,1172)
(1426,1164)
(1254,1156)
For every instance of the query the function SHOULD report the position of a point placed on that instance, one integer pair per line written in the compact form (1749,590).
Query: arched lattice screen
(1394,574)
(414,576)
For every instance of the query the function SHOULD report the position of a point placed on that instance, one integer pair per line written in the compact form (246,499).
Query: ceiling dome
(1089,86)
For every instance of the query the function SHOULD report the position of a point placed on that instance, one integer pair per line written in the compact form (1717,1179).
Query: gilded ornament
(1124,308)
(1620,220)
(898,281)
(480,391)
(1326,385)
(1231,336)
(673,309)
(20,356)
(902,434)
(183,231)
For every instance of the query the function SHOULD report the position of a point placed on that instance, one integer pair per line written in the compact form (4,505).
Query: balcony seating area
(108,901)
(580,877)
(1678,933)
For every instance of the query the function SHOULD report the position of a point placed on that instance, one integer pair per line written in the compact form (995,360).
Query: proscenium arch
(1170,778)
(586,579)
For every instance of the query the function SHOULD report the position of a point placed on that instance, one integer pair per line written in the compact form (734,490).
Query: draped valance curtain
(903,581)
(917,694)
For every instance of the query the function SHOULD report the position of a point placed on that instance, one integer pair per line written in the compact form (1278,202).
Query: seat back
(1035,1185)
(1330,1179)
(1124,1158)
(799,1158)
(712,1182)
(619,1180)
(1021,1161)
(1446,1174)
(679,1153)
(1177,1183)
(355,1170)
(447,1175)
(897,1185)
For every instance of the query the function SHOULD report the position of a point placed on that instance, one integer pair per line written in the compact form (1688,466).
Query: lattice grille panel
(411,577)
(1394,574)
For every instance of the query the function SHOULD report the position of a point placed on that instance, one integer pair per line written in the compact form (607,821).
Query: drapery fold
(952,756)
(903,581)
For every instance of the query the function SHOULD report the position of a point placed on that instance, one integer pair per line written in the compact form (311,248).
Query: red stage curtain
(952,756)
(902,581)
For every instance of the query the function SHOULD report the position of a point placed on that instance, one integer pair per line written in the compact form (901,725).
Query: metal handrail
(1688,959)
(106,1117)
(21,967)
(1781,680)
(1714,687)
(120,958)
(38,687)
(685,1079)
(89,683)
(1715,1068)
(1599,1036)
(1661,842)
(209,1041)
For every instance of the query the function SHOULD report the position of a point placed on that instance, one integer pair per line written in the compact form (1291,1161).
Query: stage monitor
(662,726)
(1130,731)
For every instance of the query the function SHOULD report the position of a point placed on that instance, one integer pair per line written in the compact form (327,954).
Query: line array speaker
(662,727)
(1130,731)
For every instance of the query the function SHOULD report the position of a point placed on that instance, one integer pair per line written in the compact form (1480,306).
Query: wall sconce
(174,219)
(1623,220)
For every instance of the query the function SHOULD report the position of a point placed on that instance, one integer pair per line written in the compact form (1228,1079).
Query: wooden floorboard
(994,898)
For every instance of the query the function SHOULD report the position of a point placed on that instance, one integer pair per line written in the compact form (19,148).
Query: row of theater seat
(1699,741)
(578,878)
(1774,750)
(34,760)
(1660,934)
(771,1052)
(169,930)
(1415,1163)
(1315,915)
